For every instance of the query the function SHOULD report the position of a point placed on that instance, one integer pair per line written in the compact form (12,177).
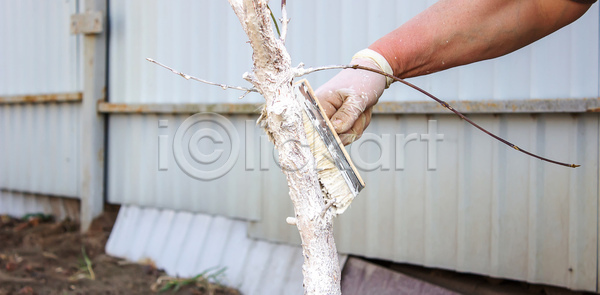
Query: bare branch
(244,95)
(300,71)
(291,221)
(188,77)
(284,22)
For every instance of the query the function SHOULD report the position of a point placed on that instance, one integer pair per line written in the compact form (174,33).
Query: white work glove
(349,97)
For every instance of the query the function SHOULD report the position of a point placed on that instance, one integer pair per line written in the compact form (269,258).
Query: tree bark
(273,76)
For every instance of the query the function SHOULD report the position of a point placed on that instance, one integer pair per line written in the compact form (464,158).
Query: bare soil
(41,256)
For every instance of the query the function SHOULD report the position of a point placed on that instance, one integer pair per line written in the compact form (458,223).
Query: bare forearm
(457,32)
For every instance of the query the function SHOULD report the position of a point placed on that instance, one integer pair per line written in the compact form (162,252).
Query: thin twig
(284,22)
(244,95)
(302,72)
(188,77)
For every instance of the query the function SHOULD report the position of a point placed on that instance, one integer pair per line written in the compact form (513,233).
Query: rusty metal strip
(33,193)
(42,98)
(580,105)
(183,108)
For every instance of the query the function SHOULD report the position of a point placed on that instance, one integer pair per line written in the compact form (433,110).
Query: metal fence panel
(201,38)
(38,54)
(40,148)
(143,170)
(484,208)
(205,39)
(39,142)
(19,204)
(186,244)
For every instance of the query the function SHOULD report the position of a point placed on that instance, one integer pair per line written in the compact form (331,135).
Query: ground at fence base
(363,277)
(46,257)
(387,275)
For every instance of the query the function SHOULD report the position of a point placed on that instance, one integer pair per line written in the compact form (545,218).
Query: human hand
(348,98)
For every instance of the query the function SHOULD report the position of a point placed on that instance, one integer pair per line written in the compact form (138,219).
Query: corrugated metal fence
(40,61)
(483,209)
(474,205)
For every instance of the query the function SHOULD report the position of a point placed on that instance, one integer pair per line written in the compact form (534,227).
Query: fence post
(92,122)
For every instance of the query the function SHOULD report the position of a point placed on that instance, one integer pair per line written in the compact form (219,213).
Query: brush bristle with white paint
(340,181)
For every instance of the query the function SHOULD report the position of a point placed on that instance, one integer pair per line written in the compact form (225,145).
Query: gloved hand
(349,97)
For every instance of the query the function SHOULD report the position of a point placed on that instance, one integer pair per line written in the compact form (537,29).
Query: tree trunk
(273,77)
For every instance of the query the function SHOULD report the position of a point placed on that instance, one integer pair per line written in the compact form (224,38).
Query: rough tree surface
(273,76)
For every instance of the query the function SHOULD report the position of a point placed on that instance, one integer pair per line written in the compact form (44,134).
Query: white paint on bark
(273,77)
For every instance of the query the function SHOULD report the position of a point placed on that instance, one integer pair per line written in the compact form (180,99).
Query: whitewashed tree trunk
(273,77)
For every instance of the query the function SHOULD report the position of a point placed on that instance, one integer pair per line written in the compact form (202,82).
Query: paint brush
(339,179)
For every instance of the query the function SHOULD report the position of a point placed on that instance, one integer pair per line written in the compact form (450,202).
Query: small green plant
(86,269)
(88,264)
(211,275)
(40,216)
(274,21)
